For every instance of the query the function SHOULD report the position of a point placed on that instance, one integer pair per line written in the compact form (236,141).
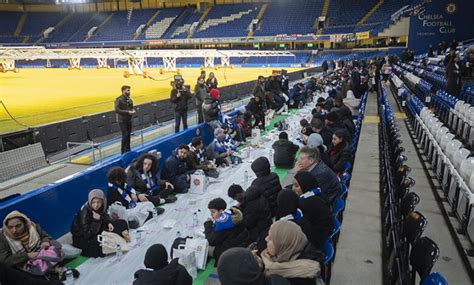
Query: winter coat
(254,107)
(339,155)
(259,91)
(123,104)
(181,102)
(285,152)
(172,274)
(211,109)
(18,259)
(237,236)
(257,215)
(85,229)
(200,93)
(320,217)
(211,83)
(134,178)
(114,196)
(267,183)
(327,181)
(326,134)
(175,171)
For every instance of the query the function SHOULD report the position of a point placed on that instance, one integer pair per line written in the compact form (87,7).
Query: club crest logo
(451,8)
(197,182)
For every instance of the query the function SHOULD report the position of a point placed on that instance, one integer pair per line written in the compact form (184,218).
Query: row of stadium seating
(293,17)
(408,253)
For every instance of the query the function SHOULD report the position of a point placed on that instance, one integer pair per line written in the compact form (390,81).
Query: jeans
(178,116)
(126,129)
(200,114)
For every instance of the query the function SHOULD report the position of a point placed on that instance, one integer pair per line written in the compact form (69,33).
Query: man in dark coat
(267,182)
(255,107)
(159,271)
(285,151)
(124,110)
(310,161)
(257,216)
(259,90)
(175,169)
(179,97)
(200,92)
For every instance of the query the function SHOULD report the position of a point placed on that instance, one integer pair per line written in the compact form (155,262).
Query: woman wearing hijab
(339,152)
(314,208)
(89,222)
(285,254)
(159,271)
(21,240)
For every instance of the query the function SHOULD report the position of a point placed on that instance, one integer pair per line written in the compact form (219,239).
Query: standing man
(200,91)
(179,97)
(124,110)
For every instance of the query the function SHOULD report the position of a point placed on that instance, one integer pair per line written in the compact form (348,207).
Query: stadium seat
(409,203)
(423,256)
(413,226)
(435,278)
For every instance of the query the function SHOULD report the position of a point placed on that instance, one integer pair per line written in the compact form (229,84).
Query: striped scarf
(126,194)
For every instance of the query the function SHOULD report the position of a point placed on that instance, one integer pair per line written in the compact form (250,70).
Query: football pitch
(37,96)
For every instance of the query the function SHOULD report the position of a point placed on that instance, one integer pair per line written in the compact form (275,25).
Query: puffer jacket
(339,155)
(257,215)
(285,152)
(320,217)
(236,236)
(172,274)
(211,109)
(267,182)
(85,229)
(327,181)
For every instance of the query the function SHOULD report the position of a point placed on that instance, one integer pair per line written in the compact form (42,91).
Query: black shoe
(170,199)
(159,211)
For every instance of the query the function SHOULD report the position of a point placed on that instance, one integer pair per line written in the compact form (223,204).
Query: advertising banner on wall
(440,20)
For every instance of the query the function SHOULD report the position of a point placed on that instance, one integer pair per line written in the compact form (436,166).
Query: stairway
(370,12)
(20,25)
(201,21)
(324,13)
(148,23)
(259,17)
(101,25)
(58,25)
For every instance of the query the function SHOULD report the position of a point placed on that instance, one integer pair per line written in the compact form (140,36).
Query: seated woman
(339,152)
(90,221)
(289,255)
(22,240)
(138,208)
(142,176)
(315,208)
(160,271)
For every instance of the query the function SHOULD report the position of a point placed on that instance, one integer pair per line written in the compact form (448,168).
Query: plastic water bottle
(118,251)
(270,156)
(246,176)
(69,276)
(138,237)
(195,220)
(178,234)
(300,105)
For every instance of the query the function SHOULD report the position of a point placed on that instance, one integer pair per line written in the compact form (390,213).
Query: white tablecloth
(110,270)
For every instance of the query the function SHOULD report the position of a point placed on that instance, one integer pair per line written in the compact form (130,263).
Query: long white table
(111,270)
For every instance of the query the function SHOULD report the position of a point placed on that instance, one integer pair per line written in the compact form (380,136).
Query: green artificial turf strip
(76,261)
(203,275)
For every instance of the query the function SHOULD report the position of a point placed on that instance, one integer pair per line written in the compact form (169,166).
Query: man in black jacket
(267,182)
(179,97)
(326,133)
(175,169)
(257,216)
(285,151)
(200,91)
(124,110)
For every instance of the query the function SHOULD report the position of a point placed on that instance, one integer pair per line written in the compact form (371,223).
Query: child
(225,228)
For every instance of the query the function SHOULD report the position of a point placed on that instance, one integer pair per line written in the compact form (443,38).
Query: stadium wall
(54,137)
(441,20)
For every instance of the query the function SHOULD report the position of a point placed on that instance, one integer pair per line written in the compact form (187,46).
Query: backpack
(46,260)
